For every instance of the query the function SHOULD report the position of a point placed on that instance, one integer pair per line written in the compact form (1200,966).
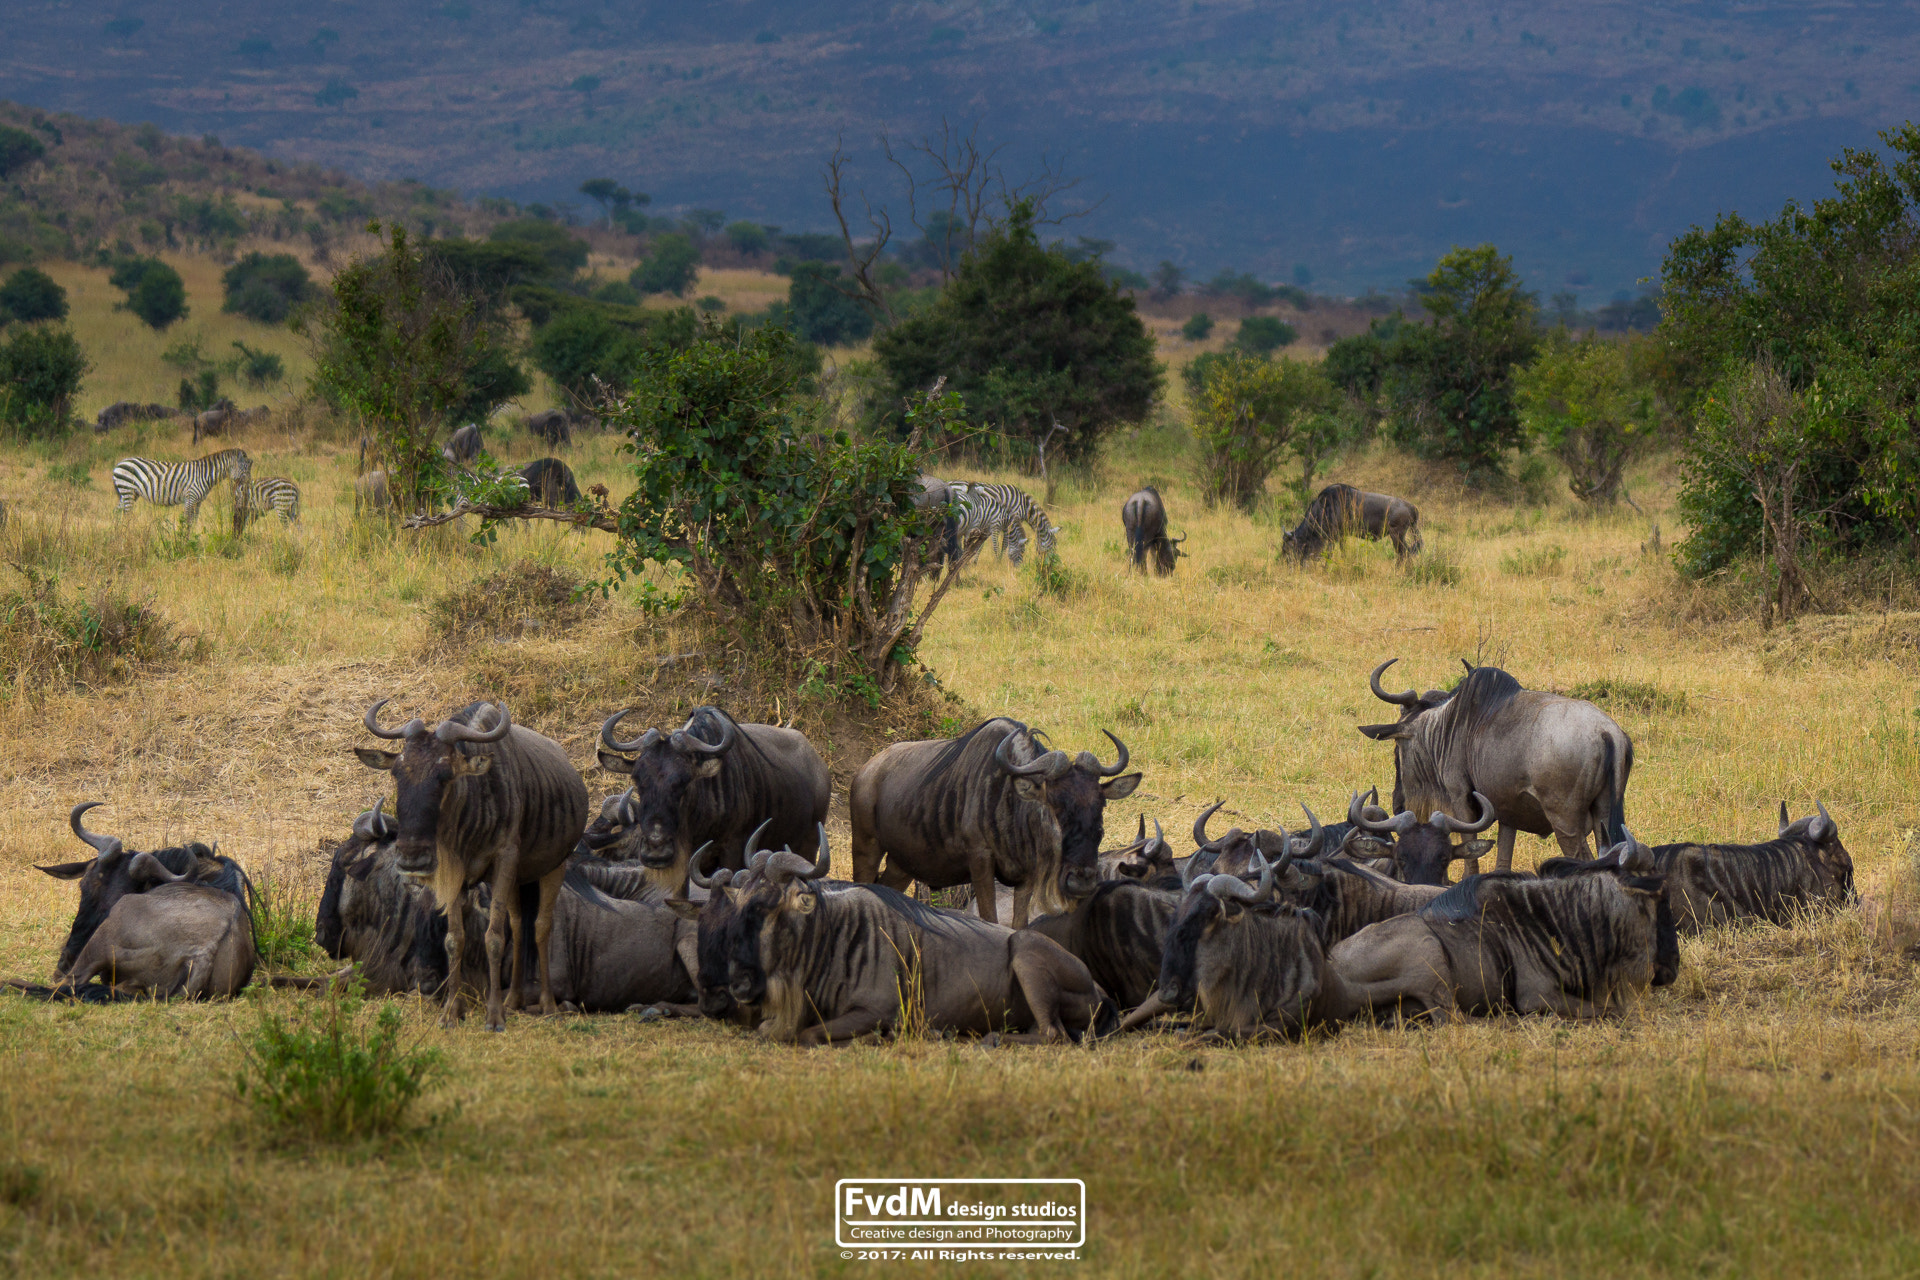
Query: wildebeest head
(1217,955)
(1143,858)
(1234,852)
(1074,791)
(774,907)
(425,770)
(664,768)
(1422,850)
(110,875)
(372,829)
(718,920)
(1829,858)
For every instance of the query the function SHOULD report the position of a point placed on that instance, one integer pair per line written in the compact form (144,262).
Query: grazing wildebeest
(937,495)
(481,798)
(1422,851)
(1715,884)
(1550,764)
(370,491)
(1580,941)
(1144,516)
(986,806)
(552,426)
(463,446)
(110,875)
(1340,510)
(551,482)
(121,411)
(828,968)
(715,779)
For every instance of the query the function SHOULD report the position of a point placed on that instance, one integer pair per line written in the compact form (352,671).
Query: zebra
(999,511)
(257,497)
(173,484)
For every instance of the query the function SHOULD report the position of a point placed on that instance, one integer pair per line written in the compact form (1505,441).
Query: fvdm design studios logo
(960,1219)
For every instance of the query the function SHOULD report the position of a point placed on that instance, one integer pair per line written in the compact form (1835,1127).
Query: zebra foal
(177,484)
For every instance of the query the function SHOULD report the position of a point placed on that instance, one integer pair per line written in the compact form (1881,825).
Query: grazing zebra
(257,497)
(999,511)
(173,484)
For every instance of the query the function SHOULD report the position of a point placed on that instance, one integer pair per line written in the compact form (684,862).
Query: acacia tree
(1582,400)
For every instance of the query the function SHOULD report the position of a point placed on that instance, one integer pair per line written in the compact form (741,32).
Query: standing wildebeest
(551,482)
(501,804)
(1421,851)
(552,426)
(987,805)
(831,967)
(385,921)
(1714,884)
(1341,509)
(1550,764)
(463,446)
(716,779)
(1144,516)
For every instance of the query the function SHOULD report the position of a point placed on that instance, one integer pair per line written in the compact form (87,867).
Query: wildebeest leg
(845,1029)
(1055,995)
(866,852)
(522,922)
(448,894)
(1503,859)
(543,934)
(505,882)
(1149,1009)
(1022,905)
(983,895)
(894,878)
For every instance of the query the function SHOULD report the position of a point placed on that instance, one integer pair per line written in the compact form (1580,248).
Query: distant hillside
(1346,142)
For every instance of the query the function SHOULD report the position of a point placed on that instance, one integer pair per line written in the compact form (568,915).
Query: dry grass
(1758,1118)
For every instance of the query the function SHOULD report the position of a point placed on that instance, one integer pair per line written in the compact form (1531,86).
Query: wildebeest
(481,798)
(552,426)
(370,491)
(212,421)
(177,922)
(1144,516)
(1550,764)
(386,922)
(123,411)
(1580,941)
(828,968)
(1233,853)
(1715,884)
(715,779)
(988,805)
(1422,851)
(936,494)
(1119,932)
(1347,896)
(1340,510)
(463,446)
(551,482)
(1145,857)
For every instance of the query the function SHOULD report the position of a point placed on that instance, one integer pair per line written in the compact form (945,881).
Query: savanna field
(1758,1117)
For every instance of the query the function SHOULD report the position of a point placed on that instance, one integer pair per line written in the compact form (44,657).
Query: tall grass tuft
(523,597)
(324,1074)
(1435,567)
(1629,695)
(282,921)
(1534,562)
(49,638)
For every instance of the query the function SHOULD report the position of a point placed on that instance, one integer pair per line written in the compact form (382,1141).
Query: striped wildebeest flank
(1119,932)
(1550,764)
(175,922)
(551,482)
(1001,511)
(1145,857)
(988,805)
(1340,510)
(1422,851)
(480,798)
(828,967)
(253,498)
(463,446)
(1144,517)
(715,779)
(1347,896)
(937,495)
(175,484)
(1582,940)
(1804,866)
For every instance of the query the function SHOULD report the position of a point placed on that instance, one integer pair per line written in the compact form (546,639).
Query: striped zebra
(999,511)
(257,497)
(173,484)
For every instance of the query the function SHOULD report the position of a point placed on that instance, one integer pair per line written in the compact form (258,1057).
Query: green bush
(563,252)
(324,1074)
(747,237)
(585,342)
(1198,326)
(282,921)
(1583,400)
(671,266)
(821,311)
(1245,417)
(41,369)
(266,287)
(1263,335)
(18,149)
(30,295)
(257,368)
(155,292)
(1436,568)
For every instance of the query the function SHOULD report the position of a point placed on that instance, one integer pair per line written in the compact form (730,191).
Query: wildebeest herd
(703,887)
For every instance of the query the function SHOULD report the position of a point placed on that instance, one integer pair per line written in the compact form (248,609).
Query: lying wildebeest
(1550,764)
(1348,896)
(828,968)
(1233,853)
(1715,884)
(936,494)
(551,482)
(715,779)
(1340,510)
(1119,932)
(386,922)
(173,923)
(480,798)
(617,814)
(988,805)
(1144,516)
(1422,851)
(552,426)
(124,411)
(463,446)
(1580,940)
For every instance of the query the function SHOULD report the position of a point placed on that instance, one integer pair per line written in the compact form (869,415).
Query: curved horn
(683,739)
(98,843)
(1407,699)
(1187,876)
(611,743)
(693,866)
(1101,770)
(1467,665)
(411,729)
(787,865)
(1453,826)
(754,839)
(1823,826)
(1399,824)
(1159,838)
(1785,821)
(1224,887)
(373,824)
(451,731)
(1200,823)
(1050,764)
(824,861)
(1177,541)
(1316,838)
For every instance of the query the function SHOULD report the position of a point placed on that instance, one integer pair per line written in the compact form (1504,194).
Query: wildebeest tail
(576,880)
(1616,829)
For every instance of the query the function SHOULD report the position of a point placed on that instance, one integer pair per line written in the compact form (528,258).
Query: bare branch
(605,520)
(861,260)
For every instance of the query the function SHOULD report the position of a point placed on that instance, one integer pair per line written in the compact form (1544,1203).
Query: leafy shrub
(257,368)
(18,149)
(747,237)
(199,392)
(711,304)
(1263,335)
(282,921)
(617,292)
(1245,417)
(671,266)
(585,342)
(821,311)
(48,639)
(324,1074)
(1632,695)
(266,287)
(1197,327)
(41,369)
(1052,577)
(1583,401)
(29,295)
(506,601)
(563,252)
(155,292)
